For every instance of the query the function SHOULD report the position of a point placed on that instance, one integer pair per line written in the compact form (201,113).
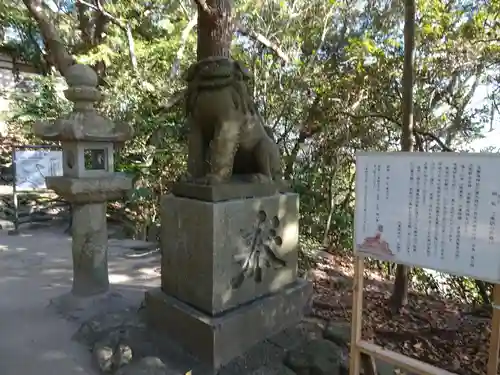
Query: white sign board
(431,210)
(32,166)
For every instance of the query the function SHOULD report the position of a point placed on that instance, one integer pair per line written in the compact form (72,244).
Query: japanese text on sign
(430,210)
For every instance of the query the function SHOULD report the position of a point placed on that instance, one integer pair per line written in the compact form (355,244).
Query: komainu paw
(260,178)
(211,179)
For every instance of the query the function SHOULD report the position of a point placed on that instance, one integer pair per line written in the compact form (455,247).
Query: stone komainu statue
(227,136)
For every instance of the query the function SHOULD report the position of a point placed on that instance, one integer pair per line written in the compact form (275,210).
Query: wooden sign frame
(15,190)
(360,347)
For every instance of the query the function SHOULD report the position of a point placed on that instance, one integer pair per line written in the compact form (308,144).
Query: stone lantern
(88,180)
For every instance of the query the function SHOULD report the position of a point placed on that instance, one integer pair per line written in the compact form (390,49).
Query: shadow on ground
(36,266)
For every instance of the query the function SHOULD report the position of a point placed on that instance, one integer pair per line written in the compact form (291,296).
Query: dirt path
(35,267)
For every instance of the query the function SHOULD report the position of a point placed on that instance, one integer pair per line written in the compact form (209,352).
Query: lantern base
(90,189)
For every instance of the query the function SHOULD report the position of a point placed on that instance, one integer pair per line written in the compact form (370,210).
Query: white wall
(9,83)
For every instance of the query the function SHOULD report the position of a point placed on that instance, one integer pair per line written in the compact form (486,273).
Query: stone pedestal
(88,197)
(89,248)
(229,272)
(216,340)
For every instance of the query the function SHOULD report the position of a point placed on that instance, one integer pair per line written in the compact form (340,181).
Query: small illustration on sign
(376,245)
(32,166)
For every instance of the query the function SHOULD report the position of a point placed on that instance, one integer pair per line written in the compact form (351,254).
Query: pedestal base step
(228,191)
(217,340)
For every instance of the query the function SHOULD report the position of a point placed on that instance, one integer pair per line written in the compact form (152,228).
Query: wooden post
(368,220)
(495,333)
(356,316)
(363,353)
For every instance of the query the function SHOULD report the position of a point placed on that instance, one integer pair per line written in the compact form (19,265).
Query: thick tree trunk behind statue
(215,29)
(399,296)
(228,139)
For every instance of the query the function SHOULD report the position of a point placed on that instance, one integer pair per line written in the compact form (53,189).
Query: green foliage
(339,92)
(44,102)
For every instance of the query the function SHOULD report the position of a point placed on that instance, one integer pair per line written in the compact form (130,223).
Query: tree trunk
(58,53)
(93,31)
(331,209)
(215,28)
(483,291)
(399,296)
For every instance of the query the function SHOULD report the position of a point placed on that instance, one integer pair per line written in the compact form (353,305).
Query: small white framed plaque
(430,210)
(32,166)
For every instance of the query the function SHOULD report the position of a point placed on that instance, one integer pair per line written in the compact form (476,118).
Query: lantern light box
(87,159)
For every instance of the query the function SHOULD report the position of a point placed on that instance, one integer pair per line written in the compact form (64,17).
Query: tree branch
(263,40)
(202,4)
(173,101)
(101,27)
(388,118)
(84,23)
(99,8)
(434,138)
(326,23)
(124,26)
(60,57)
(204,7)
(45,60)
(185,34)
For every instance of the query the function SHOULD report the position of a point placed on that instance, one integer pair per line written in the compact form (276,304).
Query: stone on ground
(317,357)
(338,332)
(6,224)
(293,337)
(273,370)
(122,355)
(146,366)
(124,332)
(110,358)
(103,355)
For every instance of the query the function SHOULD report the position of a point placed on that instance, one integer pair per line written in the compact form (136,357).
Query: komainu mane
(227,138)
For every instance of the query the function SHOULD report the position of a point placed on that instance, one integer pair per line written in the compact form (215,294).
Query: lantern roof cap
(83,123)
